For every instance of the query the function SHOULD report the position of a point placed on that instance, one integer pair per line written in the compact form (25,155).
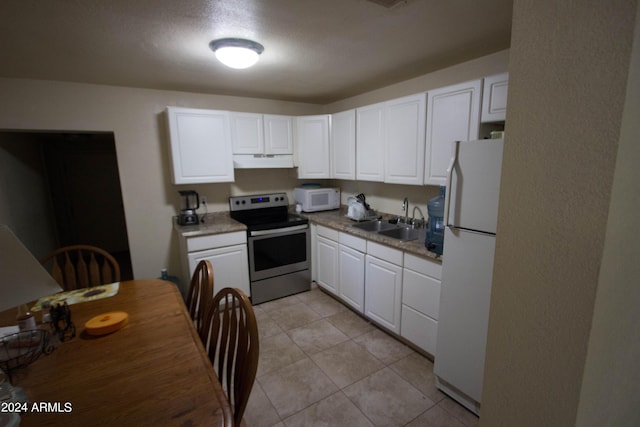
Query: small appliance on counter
(313,199)
(188,206)
(359,209)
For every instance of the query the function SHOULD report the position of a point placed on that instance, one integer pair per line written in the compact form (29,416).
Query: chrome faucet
(413,219)
(405,208)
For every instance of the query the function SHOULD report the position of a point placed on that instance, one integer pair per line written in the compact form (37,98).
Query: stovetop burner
(264,211)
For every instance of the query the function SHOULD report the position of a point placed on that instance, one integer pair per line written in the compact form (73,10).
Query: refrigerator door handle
(450,169)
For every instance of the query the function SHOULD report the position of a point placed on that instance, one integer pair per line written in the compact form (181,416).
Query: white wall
(568,73)
(495,63)
(136,118)
(610,394)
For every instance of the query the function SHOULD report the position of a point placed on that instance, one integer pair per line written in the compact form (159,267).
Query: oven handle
(279,230)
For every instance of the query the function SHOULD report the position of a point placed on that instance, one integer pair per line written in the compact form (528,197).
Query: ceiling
(316,51)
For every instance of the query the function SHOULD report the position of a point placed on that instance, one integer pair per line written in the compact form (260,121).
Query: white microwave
(317,199)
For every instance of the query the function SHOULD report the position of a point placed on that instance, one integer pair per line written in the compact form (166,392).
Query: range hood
(262,161)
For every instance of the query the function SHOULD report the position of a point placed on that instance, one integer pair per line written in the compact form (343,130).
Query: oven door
(278,251)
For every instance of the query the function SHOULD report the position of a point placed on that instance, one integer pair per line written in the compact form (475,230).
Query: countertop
(337,219)
(213,223)
(221,222)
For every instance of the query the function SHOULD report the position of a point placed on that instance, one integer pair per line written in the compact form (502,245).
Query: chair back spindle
(81,266)
(230,336)
(200,293)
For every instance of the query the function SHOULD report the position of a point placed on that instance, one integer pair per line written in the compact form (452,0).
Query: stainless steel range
(278,244)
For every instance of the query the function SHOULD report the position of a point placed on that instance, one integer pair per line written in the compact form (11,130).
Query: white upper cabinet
(312,143)
(494,98)
(343,145)
(247,135)
(405,130)
(200,142)
(261,134)
(370,147)
(453,114)
(390,141)
(278,134)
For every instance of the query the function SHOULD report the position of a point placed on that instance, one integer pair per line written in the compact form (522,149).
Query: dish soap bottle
(435,232)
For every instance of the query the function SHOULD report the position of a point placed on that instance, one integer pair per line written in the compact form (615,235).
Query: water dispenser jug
(435,231)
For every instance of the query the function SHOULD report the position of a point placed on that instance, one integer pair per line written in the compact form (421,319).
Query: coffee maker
(188,206)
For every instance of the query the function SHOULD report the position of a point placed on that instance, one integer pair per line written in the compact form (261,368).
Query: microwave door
(320,200)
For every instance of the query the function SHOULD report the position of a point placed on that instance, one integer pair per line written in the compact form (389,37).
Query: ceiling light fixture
(236,53)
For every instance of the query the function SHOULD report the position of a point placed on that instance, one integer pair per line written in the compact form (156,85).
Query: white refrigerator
(471,211)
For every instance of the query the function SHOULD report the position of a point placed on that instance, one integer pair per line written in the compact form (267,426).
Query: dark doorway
(81,172)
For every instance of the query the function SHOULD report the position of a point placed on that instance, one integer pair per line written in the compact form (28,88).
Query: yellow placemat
(80,295)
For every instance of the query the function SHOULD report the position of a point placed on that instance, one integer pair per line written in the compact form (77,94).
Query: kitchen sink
(375,226)
(402,233)
(395,231)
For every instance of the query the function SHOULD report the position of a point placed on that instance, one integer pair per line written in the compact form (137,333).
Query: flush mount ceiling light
(236,53)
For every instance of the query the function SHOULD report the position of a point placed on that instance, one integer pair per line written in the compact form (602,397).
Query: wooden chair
(81,266)
(230,336)
(200,293)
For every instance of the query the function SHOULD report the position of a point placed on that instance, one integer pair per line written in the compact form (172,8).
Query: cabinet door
(278,134)
(312,140)
(343,145)
(352,277)
(370,143)
(230,266)
(494,98)
(420,307)
(405,132)
(419,329)
(247,133)
(453,114)
(327,259)
(200,146)
(383,292)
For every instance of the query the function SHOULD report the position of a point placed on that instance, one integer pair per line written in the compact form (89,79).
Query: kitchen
(144,162)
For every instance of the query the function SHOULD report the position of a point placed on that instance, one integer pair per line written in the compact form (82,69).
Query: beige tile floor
(323,365)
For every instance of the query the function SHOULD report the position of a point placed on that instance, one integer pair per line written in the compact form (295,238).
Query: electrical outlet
(203,200)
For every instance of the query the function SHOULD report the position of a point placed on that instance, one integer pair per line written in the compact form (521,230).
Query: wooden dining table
(153,371)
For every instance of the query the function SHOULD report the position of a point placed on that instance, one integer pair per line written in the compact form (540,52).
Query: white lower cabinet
(327,258)
(339,269)
(399,291)
(228,255)
(383,285)
(351,270)
(420,301)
